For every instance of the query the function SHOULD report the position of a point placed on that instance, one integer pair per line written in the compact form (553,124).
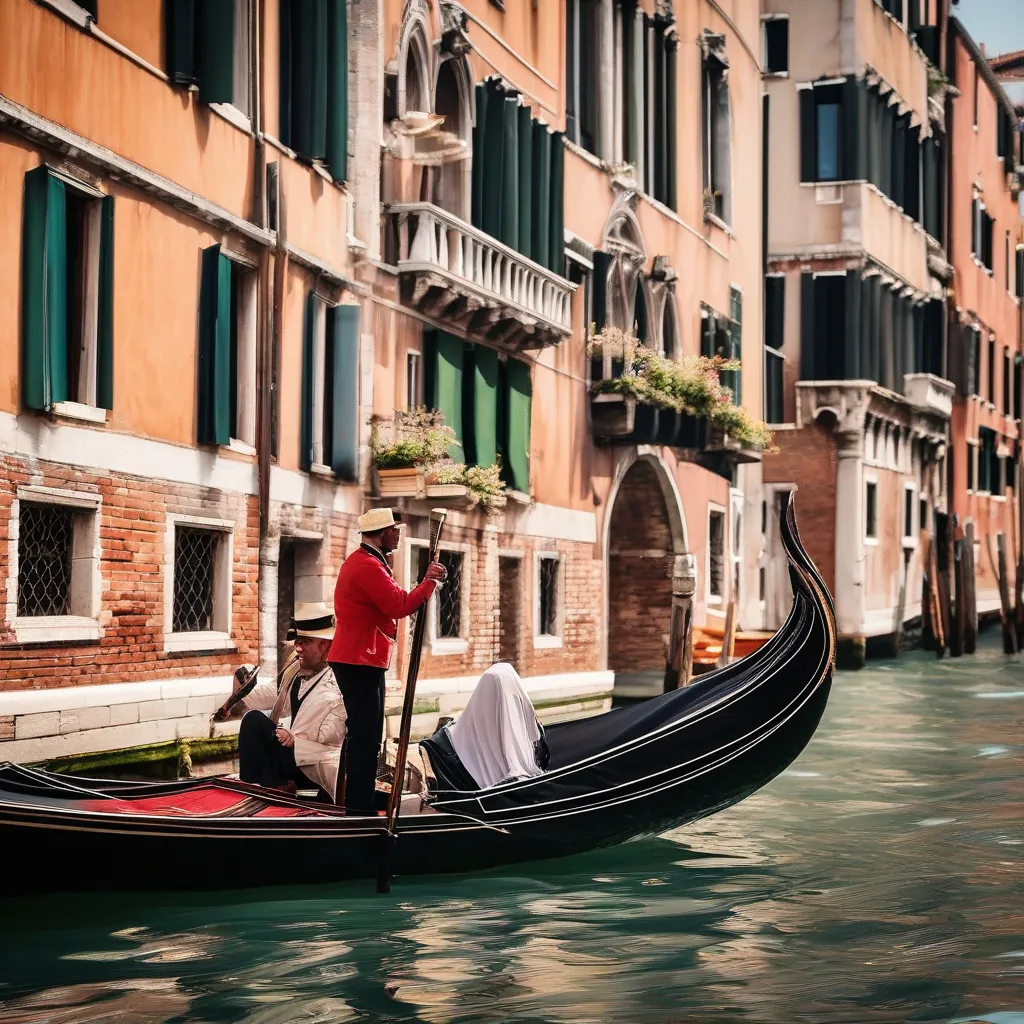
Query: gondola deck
(618,776)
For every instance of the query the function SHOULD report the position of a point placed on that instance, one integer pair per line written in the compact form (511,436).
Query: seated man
(498,737)
(308,750)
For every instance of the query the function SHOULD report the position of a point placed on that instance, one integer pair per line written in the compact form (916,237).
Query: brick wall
(133,523)
(807,458)
(640,557)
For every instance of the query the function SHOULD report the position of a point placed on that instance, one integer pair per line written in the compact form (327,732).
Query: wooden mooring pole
(970,590)
(1005,612)
(680,637)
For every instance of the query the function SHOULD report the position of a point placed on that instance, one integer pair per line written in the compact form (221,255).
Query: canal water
(880,879)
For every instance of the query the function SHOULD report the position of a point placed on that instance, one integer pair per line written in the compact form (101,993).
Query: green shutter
(808,137)
(556,247)
(337,89)
(853,125)
(519,398)
(179,22)
(307,89)
(807,334)
(105,315)
(509,233)
(215,348)
(479,157)
(341,400)
(493,170)
(445,356)
(541,193)
(852,369)
(215,50)
(599,294)
(480,414)
(308,347)
(526,183)
(44,292)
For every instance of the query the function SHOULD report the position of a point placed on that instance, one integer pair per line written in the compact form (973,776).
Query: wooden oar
(437,518)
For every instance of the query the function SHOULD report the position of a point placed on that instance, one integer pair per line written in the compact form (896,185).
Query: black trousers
(362,686)
(261,756)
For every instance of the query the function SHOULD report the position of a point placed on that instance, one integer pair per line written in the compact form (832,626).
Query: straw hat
(313,620)
(378,519)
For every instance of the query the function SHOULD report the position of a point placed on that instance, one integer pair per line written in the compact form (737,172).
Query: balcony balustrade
(455,273)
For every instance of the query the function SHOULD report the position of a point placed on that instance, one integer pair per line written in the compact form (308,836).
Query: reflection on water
(880,879)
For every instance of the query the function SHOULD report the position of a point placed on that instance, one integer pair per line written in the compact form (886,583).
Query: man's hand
(284,737)
(436,572)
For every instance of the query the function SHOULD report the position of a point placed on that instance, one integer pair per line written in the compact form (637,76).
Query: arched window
(414,75)
(671,341)
(452,177)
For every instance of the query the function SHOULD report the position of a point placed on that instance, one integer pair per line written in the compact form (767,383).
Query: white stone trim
(554,523)
(79,411)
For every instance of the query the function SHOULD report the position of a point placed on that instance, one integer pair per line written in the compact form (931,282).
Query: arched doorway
(645,531)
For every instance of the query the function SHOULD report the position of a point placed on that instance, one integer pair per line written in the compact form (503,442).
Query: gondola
(629,773)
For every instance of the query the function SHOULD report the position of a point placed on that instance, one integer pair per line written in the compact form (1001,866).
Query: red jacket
(367,601)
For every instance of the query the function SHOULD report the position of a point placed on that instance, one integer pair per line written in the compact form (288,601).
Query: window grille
(548,585)
(193,579)
(44,559)
(449,597)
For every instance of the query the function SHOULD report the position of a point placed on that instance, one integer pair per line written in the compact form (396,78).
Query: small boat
(632,772)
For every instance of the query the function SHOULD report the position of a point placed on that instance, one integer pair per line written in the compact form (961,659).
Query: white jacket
(319,727)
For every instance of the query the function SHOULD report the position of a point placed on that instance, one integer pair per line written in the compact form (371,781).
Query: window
(198,590)
(717,152)
(976,84)
(716,556)
(413,381)
(53,571)
(330,389)
(871,510)
(209,44)
(973,342)
(732,378)
(922,514)
(67,296)
(828,139)
(450,598)
(988,462)
(227,350)
(776,46)
(971,456)
(547,609)
(991,378)
(981,233)
(1007,409)
(909,505)
(894,7)
(314,81)
(1019,290)
(774,337)
(583,73)
(827,127)
(1006,264)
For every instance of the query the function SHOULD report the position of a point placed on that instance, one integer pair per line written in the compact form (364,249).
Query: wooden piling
(927,620)
(680,638)
(956,640)
(1005,611)
(729,634)
(970,590)
(940,555)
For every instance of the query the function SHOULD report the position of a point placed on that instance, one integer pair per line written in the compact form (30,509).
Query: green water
(880,879)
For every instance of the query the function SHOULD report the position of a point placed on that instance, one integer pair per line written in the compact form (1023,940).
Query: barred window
(449,597)
(46,534)
(194,556)
(716,554)
(547,596)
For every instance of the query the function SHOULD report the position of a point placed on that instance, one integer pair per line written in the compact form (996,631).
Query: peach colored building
(856,294)
(986,344)
(236,230)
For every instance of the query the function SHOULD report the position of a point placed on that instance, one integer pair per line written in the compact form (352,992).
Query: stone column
(850,559)
(366,111)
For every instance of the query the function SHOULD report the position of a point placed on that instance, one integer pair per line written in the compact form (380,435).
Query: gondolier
(308,749)
(367,604)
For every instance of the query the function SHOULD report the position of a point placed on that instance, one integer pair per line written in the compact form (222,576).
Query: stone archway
(645,530)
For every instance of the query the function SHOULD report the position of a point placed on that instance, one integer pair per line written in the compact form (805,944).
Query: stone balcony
(457,274)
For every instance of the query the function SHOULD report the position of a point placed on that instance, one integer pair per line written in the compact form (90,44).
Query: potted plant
(479,485)
(403,447)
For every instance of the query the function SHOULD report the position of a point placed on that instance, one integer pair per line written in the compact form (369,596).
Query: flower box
(401,483)
(623,420)
(613,416)
(722,443)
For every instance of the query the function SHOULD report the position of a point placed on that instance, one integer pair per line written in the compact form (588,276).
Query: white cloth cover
(495,736)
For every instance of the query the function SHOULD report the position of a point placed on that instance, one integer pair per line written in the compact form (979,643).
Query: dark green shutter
(214,425)
(337,89)
(519,398)
(445,356)
(179,28)
(808,137)
(556,246)
(341,396)
(526,183)
(599,295)
(307,89)
(807,326)
(775,311)
(479,159)
(509,232)
(851,340)
(105,313)
(854,129)
(308,349)
(215,49)
(480,413)
(541,194)
(491,197)
(44,328)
